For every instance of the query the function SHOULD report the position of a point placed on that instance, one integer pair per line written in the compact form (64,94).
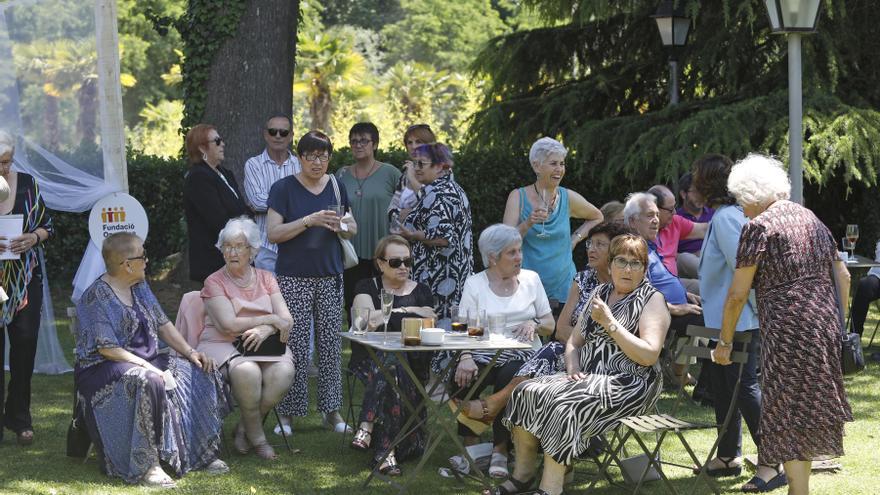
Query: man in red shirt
(674,228)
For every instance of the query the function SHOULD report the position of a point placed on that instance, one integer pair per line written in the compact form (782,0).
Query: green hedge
(486,176)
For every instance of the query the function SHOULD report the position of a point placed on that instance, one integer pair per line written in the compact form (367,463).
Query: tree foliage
(596,78)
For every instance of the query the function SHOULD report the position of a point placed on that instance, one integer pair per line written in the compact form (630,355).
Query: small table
(445,419)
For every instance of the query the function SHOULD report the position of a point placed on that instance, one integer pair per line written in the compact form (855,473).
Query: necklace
(505,289)
(243,285)
(549,206)
(393,290)
(360,189)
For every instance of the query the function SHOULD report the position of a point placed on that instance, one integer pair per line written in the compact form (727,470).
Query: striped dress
(563,414)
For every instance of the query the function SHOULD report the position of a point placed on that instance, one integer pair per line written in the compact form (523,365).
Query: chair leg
(874,333)
(350,416)
(283,433)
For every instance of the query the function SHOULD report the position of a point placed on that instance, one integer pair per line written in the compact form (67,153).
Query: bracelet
(37,236)
(191,351)
(722,343)
(305,221)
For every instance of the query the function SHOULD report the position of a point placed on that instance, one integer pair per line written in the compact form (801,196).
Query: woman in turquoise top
(542,212)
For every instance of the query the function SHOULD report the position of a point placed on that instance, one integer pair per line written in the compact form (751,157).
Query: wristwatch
(612,327)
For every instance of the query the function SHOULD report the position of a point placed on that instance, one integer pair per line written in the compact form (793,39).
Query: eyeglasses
(275,132)
(420,164)
(314,157)
(142,257)
(670,210)
(624,264)
(396,262)
(359,142)
(217,140)
(227,248)
(589,243)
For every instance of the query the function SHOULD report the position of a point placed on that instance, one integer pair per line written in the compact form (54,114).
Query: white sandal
(498,466)
(340,427)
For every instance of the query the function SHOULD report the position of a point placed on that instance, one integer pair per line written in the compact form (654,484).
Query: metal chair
(661,425)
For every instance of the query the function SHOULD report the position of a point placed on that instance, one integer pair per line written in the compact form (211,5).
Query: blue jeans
(748,399)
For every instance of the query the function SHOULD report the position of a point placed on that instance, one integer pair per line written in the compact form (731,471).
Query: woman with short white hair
(542,212)
(506,290)
(244,303)
(789,256)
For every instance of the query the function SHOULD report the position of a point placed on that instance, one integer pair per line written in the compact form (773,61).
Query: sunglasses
(275,132)
(418,126)
(396,262)
(217,140)
(420,164)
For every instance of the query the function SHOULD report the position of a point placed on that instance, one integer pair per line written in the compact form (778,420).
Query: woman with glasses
(610,374)
(243,303)
(309,268)
(370,185)
(405,193)
(211,197)
(144,410)
(439,228)
(22,279)
(542,213)
(383,413)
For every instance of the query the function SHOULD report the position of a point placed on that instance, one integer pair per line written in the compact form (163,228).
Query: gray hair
(758,180)
(635,203)
(7,142)
(543,148)
(243,226)
(494,239)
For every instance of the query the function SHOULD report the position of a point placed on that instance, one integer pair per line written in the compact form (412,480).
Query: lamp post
(673,26)
(795,18)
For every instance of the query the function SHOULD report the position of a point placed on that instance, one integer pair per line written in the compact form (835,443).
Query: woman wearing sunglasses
(382,407)
(211,197)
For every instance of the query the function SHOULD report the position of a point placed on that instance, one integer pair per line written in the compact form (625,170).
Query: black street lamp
(673,26)
(794,18)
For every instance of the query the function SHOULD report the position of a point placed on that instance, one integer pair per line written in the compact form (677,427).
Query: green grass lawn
(324,465)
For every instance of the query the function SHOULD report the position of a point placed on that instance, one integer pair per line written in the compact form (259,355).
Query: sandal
(759,485)
(519,487)
(498,466)
(240,441)
(729,468)
(361,439)
(157,478)
(478,426)
(339,427)
(389,467)
(265,451)
(25,437)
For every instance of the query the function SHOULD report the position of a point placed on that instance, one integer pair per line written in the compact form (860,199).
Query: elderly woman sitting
(243,302)
(611,373)
(141,407)
(506,290)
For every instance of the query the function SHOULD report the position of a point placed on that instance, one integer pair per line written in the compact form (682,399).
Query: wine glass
(361,320)
(847,246)
(387,300)
(543,233)
(852,234)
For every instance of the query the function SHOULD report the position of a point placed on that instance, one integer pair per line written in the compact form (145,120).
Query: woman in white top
(503,288)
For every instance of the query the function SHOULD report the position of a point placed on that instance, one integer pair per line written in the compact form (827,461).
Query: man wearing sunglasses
(263,170)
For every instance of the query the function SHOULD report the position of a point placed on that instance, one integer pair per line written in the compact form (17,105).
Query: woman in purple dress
(790,257)
(141,407)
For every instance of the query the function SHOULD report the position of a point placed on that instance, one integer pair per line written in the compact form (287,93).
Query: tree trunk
(252,78)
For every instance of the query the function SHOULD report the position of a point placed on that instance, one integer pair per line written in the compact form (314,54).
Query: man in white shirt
(263,170)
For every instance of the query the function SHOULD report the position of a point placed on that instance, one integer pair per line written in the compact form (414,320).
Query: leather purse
(852,360)
(78,440)
(272,346)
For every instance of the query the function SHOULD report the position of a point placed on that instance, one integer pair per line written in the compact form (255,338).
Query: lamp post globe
(674,26)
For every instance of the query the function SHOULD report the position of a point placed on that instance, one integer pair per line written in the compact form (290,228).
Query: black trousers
(498,377)
(867,291)
(351,276)
(748,400)
(22,331)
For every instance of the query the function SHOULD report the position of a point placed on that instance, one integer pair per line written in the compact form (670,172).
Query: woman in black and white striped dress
(612,373)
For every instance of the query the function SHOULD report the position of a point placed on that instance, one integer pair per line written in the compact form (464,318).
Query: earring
(205,156)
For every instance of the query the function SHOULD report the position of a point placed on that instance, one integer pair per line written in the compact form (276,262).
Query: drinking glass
(496,325)
(852,234)
(387,300)
(361,320)
(848,246)
(543,233)
(459,321)
(477,323)
(411,332)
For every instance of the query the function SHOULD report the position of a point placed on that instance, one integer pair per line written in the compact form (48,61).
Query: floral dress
(443,211)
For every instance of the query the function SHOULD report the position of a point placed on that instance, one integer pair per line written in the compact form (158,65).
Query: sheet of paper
(10,227)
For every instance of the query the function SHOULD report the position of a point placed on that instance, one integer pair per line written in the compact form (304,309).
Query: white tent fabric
(64,163)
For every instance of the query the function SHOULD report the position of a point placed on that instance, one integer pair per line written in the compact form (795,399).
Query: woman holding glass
(508,293)
(404,197)
(542,213)
(383,413)
(304,220)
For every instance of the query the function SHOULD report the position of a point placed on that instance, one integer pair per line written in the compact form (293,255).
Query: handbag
(269,347)
(852,360)
(78,440)
(349,255)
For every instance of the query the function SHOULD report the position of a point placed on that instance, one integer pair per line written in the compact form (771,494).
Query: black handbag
(78,440)
(272,346)
(852,360)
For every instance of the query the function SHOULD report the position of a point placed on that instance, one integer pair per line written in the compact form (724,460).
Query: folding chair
(352,412)
(662,424)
